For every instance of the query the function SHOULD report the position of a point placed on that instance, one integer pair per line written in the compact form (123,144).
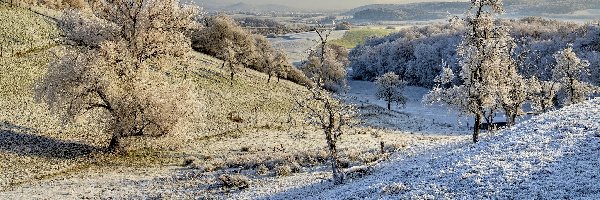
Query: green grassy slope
(354,37)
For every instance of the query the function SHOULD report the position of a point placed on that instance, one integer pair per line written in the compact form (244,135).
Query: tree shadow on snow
(23,141)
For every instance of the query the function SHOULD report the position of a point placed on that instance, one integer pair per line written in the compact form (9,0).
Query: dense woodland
(418,53)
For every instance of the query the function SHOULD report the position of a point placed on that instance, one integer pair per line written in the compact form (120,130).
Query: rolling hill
(443,10)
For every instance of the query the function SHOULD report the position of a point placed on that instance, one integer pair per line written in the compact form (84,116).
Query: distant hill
(244,7)
(441,10)
(413,11)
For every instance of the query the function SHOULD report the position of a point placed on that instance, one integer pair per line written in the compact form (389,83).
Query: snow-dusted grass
(36,146)
(552,156)
(22,31)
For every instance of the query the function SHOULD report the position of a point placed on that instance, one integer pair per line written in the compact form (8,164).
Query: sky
(321,4)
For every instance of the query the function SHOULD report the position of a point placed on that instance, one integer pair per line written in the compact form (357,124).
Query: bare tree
(333,117)
(390,88)
(324,110)
(129,72)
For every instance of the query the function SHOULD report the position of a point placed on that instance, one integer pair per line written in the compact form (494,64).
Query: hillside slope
(242,126)
(35,144)
(552,156)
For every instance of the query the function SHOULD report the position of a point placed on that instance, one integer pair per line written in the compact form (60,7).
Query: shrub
(190,160)
(235,180)
(296,167)
(262,169)
(394,188)
(283,170)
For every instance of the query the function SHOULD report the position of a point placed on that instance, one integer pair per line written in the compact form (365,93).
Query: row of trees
(223,38)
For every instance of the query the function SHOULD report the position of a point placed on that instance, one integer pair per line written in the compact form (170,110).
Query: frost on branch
(125,63)
(569,72)
(488,72)
(321,109)
(390,88)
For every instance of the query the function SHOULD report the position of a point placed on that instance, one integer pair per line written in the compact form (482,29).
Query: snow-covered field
(552,156)
(414,116)
(296,44)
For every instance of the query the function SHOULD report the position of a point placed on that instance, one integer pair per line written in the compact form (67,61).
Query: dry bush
(262,169)
(130,75)
(394,188)
(295,167)
(235,181)
(328,68)
(297,76)
(188,161)
(283,170)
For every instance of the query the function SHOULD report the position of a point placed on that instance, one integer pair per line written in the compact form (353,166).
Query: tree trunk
(389,104)
(476,128)
(232,74)
(114,143)
(338,174)
(512,118)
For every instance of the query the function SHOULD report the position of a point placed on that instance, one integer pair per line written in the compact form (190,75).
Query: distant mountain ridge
(211,5)
(441,10)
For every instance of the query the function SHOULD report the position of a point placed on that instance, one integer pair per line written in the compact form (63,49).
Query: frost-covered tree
(416,53)
(280,66)
(390,88)
(223,38)
(325,111)
(512,87)
(270,61)
(542,94)
(483,54)
(569,71)
(513,94)
(124,65)
(328,65)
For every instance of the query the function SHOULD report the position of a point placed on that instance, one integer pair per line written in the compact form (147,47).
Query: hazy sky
(328,4)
